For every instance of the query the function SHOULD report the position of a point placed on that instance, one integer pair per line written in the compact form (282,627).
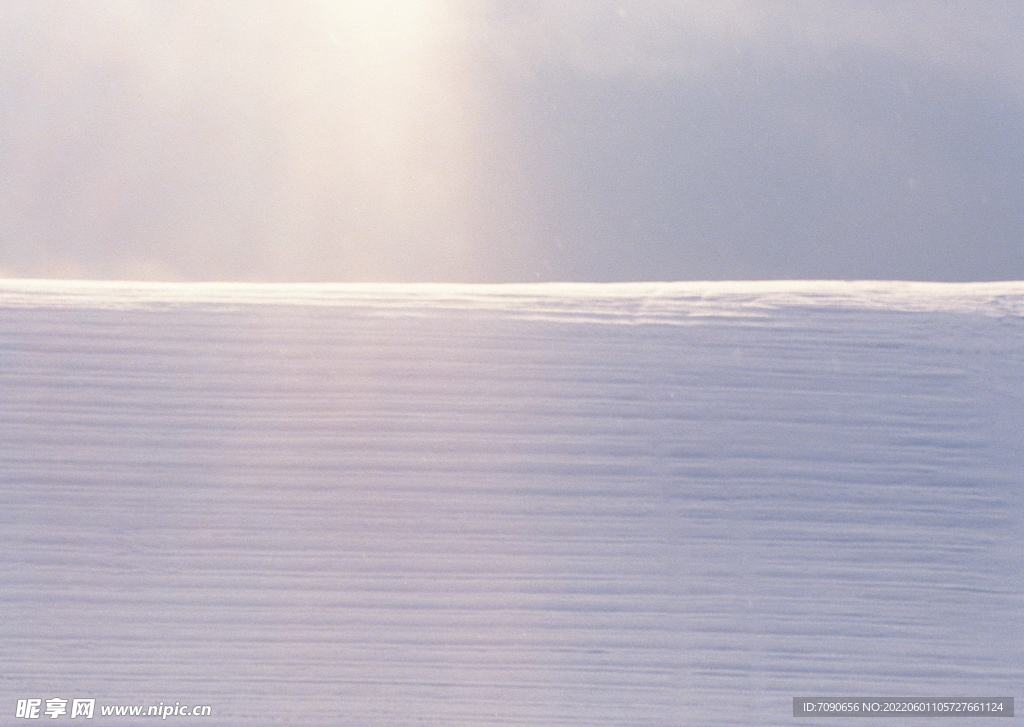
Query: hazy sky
(511,140)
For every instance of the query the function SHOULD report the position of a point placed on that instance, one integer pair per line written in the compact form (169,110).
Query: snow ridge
(381,505)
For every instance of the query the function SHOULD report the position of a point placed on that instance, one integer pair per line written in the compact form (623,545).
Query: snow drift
(637,504)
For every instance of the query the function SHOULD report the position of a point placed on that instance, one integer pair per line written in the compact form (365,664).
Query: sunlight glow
(408,126)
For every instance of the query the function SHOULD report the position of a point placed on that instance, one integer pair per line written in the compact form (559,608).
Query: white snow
(649,504)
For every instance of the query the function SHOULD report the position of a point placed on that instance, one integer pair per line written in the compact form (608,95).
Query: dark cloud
(873,170)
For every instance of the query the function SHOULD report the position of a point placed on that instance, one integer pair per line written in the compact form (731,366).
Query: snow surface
(642,504)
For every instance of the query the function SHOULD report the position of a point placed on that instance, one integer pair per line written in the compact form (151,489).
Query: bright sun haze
(406,136)
(484,141)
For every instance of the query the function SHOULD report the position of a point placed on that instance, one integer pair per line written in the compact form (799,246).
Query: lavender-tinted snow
(644,505)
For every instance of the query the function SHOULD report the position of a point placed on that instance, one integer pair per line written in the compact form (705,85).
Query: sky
(511,141)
